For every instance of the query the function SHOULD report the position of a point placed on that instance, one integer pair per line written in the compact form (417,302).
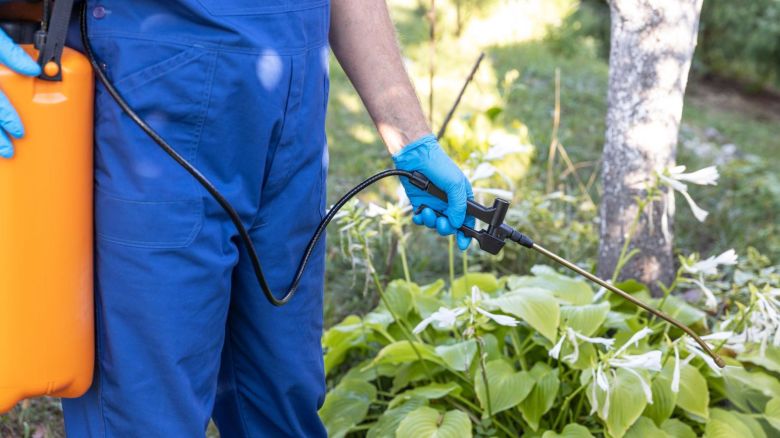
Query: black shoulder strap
(52,37)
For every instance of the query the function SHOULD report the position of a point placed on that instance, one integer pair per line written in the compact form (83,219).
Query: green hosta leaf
(769,360)
(587,357)
(433,289)
(346,406)
(618,321)
(428,392)
(426,422)
(367,371)
(339,339)
(398,295)
(720,429)
(567,289)
(491,347)
(756,430)
(632,287)
(644,427)
(749,390)
(378,319)
(570,431)
(426,305)
(388,423)
(404,352)
(507,387)
(542,396)
(725,424)
(678,429)
(486,282)
(694,397)
(413,372)
(680,310)
(535,306)
(585,319)
(626,401)
(772,412)
(664,399)
(458,356)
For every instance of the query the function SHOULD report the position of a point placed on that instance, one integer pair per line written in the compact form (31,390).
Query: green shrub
(741,40)
(546,354)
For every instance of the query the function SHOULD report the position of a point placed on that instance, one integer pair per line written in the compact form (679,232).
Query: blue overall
(239,88)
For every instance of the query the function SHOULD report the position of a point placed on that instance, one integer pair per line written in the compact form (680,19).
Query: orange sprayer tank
(46,310)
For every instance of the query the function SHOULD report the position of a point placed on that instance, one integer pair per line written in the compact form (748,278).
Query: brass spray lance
(493,238)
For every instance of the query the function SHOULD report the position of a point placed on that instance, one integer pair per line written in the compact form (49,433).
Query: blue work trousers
(184,333)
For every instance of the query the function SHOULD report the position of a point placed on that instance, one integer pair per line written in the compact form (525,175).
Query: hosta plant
(546,355)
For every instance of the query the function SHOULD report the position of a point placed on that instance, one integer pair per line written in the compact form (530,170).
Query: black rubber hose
(214,192)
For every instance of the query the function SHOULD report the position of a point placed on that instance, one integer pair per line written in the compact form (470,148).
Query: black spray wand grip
(493,238)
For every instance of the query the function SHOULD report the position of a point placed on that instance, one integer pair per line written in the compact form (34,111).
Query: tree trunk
(652,43)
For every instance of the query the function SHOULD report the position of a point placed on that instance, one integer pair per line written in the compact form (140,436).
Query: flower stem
(404,262)
(625,255)
(565,406)
(483,370)
(452,264)
(410,337)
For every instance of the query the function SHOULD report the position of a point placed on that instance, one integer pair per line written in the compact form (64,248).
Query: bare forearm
(362,37)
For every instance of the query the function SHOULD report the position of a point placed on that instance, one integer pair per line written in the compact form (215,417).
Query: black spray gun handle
(491,239)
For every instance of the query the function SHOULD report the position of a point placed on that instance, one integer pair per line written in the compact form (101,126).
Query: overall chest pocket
(256,7)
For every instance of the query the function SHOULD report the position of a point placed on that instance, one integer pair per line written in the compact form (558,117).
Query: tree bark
(652,43)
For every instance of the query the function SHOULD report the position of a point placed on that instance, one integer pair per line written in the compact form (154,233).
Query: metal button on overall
(183,331)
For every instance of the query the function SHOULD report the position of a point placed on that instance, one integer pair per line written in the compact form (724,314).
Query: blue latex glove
(13,57)
(426,156)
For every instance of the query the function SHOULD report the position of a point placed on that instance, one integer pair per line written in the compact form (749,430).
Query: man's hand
(13,57)
(426,156)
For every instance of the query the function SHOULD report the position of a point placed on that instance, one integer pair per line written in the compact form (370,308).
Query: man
(240,88)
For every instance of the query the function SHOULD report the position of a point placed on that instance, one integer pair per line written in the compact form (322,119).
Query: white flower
(710,265)
(638,336)
(607,342)
(556,350)
(483,171)
(632,363)
(403,198)
(645,385)
(710,301)
(676,372)
(374,210)
(573,336)
(476,298)
(443,318)
(504,145)
(499,319)
(476,295)
(703,177)
(499,193)
(673,176)
(650,361)
(694,348)
(599,381)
